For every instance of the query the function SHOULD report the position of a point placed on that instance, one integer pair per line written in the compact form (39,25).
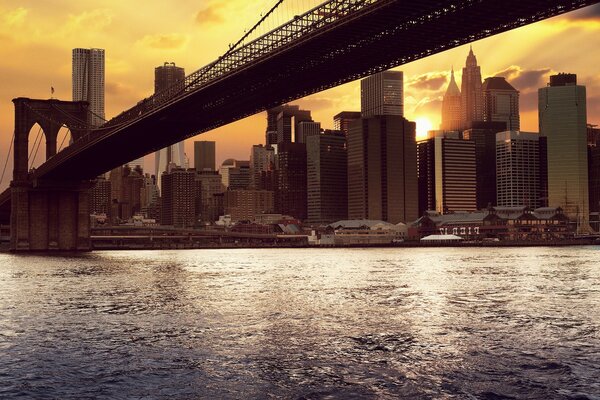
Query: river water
(463,323)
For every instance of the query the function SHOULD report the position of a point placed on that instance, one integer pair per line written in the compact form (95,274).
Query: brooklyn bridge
(336,42)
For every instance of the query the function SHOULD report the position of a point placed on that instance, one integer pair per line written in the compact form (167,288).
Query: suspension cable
(64,138)
(35,142)
(35,154)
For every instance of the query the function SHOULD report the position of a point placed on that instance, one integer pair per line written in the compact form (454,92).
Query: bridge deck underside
(386,35)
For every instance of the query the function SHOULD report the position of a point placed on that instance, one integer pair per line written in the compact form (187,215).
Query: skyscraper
(484,136)
(563,120)
(382,154)
(288,121)
(447,173)
(451,107)
(204,156)
(341,121)
(455,174)
(471,93)
(382,169)
(164,77)
(262,167)
(327,177)
(290,191)
(88,81)
(382,94)
(235,174)
(501,102)
(518,169)
(178,192)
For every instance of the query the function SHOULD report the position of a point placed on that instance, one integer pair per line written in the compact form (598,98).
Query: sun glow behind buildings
(424,125)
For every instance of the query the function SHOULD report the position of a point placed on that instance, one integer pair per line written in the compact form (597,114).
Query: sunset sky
(36,39)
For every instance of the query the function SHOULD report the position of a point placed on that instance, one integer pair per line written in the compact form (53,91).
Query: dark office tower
(518,169)
(593,135)
(382,169)
(290,193)
(594,167)
(288,121)
(342,120)
(484,136)
(451,107)
(166,76)
(501,102)
(208,189)
(306,129)
(563,120)
(204,156)
(271,131)
(471,94)
(382,94)
(455,177)
(100,197)
(126,192)
(88,81)
(426,175)
(543,150)
(178,191)
(327,177)
(262,167)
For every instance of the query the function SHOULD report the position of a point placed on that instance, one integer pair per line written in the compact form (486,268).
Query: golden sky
(36,38)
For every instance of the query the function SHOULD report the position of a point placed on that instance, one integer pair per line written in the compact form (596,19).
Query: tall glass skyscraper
(563,120)
(165,76)
(88,81)
(382,94)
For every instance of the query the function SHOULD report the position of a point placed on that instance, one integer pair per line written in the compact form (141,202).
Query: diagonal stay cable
(35,142)
(64,138)
(36,151)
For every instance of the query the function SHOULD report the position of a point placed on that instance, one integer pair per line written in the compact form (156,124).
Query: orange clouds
(168,41)
(36,38)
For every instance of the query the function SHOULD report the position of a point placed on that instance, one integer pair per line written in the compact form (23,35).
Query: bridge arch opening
(36,146)
(64,138)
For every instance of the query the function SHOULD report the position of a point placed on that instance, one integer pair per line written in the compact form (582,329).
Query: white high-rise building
(382,94)
(518,169)
(88,81)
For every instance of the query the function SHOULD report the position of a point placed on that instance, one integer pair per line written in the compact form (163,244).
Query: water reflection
(302,323)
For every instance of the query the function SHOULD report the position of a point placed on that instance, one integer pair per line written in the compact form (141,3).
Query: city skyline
(425,80)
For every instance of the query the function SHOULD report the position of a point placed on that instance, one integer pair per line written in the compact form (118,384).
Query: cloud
(528,101)
(524,79)
(88,21)
(15,17)
(430,81)
(168,41)
(426,105)
(210,15)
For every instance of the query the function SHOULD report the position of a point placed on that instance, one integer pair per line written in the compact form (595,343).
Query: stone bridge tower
(47,215)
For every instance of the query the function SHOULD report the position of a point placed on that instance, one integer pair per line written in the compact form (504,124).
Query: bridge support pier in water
(50,218)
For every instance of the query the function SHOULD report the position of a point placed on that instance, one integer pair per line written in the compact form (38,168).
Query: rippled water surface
(302,324)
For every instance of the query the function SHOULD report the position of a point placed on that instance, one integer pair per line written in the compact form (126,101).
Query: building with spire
(471,92)
(451,107)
